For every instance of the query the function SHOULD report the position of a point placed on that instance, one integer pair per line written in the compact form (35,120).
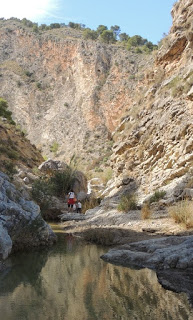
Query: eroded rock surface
(21,225)
(163,253)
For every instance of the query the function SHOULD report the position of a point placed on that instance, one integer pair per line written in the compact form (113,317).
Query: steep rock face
(15,149)
(154,145)
(66,91)
(71,94)
(21,224)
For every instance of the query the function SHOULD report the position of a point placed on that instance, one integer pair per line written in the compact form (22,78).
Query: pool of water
(70,282)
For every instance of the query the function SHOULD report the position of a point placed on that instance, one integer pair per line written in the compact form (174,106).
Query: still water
(70,282)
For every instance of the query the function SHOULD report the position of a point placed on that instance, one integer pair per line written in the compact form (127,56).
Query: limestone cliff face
(65,91)
(155,146)
(72,96)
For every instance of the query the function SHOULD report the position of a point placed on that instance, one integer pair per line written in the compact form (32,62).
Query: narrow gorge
(123,120)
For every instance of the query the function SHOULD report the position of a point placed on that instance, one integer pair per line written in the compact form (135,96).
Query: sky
(147,18)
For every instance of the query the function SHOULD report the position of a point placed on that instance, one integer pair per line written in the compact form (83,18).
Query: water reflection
(71,282)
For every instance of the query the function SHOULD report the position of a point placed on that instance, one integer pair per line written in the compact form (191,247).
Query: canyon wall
(153,144)
(69,94)
(76,98)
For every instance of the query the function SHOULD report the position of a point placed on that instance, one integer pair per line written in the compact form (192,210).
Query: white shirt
(79,205)
(71,195)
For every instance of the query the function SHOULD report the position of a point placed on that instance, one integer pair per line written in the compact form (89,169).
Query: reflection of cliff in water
(22,268)
(75,284)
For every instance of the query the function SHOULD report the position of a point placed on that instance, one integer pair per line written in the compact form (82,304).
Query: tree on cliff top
(107,36)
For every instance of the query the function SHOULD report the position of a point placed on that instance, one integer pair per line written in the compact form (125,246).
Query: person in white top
(71,200)
(79,206)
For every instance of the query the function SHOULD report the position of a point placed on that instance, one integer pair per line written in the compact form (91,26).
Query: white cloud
(30,9)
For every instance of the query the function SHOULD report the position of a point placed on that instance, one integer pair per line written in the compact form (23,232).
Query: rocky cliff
(16,149)
(21,224)
(153,143)
(74,96)
(69,94)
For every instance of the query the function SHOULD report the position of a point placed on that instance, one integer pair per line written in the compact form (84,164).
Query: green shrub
(12,154)
(4,112)
(10,169)
(42,192)
(157,196)
(54,147)
(58,184)
(38,85)
(90,34)
(28,73)
(62,182)
(19,83)
(127,202)
(138,50)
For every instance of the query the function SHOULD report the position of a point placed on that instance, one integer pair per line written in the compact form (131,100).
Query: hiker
(79,206)
(71,200)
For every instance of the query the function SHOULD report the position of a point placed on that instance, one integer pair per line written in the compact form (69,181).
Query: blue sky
(147,18)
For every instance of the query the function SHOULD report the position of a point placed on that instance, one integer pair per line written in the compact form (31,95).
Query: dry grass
(146,212)
(127,203)
(182,213)
(90,204)
(190,183)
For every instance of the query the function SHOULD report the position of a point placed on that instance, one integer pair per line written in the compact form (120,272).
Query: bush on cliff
(157,196)
(4,112)
(59,184)
(42,192)
(127,202)
(62,182)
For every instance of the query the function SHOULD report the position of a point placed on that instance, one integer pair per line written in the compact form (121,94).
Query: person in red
(71,200)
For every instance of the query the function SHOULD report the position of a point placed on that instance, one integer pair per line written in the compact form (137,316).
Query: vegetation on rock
(15,149)
(4,112)
(182,212)
(58,184)
(127,202)
(102,33)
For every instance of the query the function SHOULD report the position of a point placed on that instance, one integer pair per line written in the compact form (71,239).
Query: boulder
(160,254)
(80,183)
(21,225)
(50,166)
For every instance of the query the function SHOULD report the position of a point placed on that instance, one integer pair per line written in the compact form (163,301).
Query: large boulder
(160,254)
(80,183)
(50,166)
(21,225)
